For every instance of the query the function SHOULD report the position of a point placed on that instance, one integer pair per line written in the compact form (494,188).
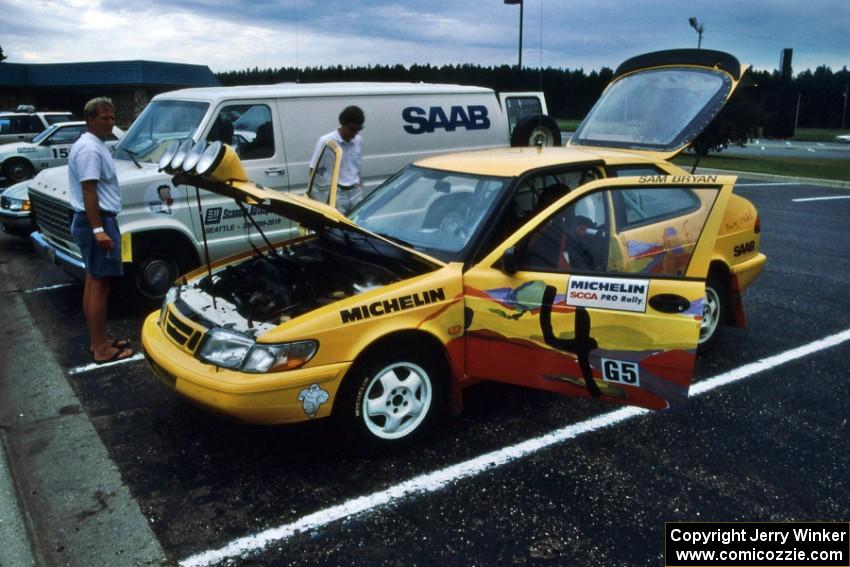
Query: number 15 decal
(620,372)
(60,153)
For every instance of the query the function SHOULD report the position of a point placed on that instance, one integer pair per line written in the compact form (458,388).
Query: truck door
(598,296)
(252,128)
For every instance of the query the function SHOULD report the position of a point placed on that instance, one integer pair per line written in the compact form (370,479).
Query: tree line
(814,99)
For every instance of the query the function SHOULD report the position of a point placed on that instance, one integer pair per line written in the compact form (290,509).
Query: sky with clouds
(586,34)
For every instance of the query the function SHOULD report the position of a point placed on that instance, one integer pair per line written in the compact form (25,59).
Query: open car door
(602,293)
(660,102)
(324,175)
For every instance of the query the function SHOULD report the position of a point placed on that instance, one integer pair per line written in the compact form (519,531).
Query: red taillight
(758,224)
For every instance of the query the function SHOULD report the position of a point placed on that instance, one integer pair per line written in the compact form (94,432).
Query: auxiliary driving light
(219,162)
(194,156)
(167,156)
(177,161)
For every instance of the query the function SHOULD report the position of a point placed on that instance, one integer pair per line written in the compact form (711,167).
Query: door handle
(276,171)
(669,303)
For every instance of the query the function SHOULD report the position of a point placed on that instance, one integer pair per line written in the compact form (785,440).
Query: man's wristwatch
(97,230)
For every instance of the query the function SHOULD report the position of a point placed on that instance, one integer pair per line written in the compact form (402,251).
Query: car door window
(246,127)
(519,107)
(536,192)
(66,135)
(32,125)
(632,231)
(575,238)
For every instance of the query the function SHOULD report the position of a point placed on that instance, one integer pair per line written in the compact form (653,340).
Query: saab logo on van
(420,121)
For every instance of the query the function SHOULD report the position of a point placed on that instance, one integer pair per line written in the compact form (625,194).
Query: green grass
(817,135)
(795,167)
(567,124)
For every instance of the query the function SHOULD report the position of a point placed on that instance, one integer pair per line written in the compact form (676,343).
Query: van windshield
(161,122)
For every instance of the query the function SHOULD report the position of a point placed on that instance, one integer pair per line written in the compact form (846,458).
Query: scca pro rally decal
(387,306)
(608,293)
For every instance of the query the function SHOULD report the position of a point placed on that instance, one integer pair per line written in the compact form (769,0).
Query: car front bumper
(273,398)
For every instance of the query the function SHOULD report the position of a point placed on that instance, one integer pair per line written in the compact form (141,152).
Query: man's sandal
(115,357)
(117,343)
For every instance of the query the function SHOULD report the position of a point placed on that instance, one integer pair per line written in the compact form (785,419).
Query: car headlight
(279,357)
(230,349)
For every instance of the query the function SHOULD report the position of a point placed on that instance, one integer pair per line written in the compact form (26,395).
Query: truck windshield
(437,212)
(160,123)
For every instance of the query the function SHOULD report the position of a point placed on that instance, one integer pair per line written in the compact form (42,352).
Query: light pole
(844,114)
(512,2)
(699,27)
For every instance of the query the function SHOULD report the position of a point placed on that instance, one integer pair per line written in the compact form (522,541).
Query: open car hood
(661,101)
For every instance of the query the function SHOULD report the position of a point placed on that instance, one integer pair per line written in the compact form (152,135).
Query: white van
(274,129)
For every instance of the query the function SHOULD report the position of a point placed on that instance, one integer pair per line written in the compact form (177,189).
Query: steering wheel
(453,223)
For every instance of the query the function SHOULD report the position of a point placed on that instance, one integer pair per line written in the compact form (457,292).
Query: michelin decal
(608,293)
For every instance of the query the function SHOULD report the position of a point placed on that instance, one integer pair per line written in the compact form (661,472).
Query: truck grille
(5,203)
(52,216)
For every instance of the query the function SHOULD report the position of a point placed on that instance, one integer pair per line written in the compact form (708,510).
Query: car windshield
(436,212)
(45,134)
(160,123)
(656,109)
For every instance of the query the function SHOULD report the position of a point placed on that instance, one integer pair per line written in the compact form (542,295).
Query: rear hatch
(659,102)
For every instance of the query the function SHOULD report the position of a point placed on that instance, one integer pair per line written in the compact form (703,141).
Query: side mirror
(509,265)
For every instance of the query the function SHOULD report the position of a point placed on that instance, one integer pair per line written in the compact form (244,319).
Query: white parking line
(440,479)
(93,366)
(49,287)
(821,198)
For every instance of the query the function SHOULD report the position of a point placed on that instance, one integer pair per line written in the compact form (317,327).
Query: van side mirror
(509,265)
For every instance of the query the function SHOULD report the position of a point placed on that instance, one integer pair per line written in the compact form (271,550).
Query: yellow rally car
(578,270)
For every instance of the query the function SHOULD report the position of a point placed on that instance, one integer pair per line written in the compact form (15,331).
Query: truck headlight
(17,205)
(230,349)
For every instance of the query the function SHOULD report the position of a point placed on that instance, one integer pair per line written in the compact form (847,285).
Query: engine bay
(271,288)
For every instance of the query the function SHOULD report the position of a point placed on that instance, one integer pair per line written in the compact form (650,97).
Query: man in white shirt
(349,188)
(96,200)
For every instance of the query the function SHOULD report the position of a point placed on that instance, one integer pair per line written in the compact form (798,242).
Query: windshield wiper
(132,157)
(396,239)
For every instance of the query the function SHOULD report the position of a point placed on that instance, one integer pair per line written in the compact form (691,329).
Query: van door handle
(669,303)
(276,171)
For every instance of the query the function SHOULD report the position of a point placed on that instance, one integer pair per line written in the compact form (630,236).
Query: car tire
(391,398)
(154,274)
(538,130)
(714,313)
(17,170)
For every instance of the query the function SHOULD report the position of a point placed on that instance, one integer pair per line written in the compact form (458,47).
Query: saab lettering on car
(741,249)
(608,293)
(421,121)
(387,306)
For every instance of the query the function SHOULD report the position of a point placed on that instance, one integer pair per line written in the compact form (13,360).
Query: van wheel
(17,170)
(713,313)
(155,273)
(539,130)
(391,398)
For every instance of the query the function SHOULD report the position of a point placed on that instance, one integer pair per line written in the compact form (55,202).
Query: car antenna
(206,246)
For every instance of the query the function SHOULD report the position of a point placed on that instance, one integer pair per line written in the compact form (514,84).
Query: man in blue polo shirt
(96,200)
